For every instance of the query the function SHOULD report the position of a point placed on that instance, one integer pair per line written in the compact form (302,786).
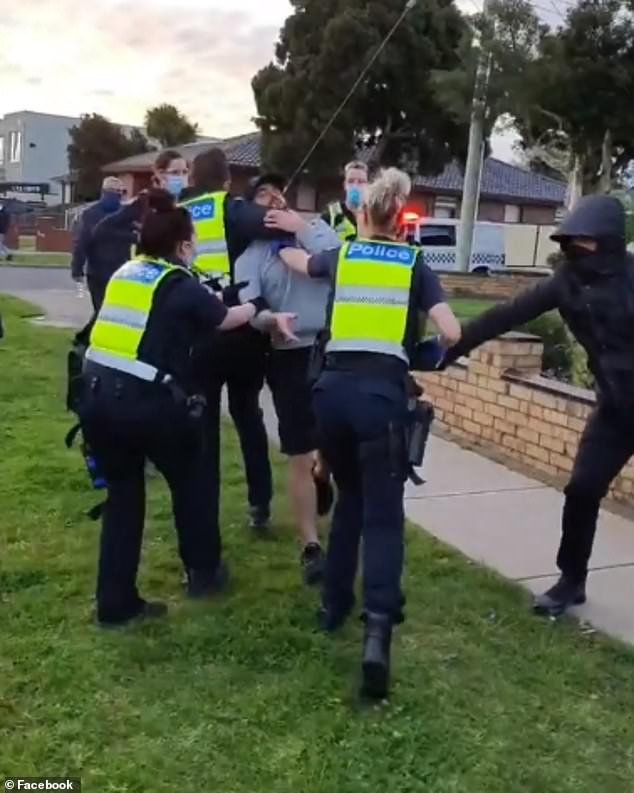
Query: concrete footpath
(499,518)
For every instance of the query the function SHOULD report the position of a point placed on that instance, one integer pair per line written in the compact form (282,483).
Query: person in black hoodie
(593,290)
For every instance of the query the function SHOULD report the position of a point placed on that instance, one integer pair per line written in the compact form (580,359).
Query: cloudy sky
(119,57)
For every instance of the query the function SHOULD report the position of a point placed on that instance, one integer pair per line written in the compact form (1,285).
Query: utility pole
(473,168)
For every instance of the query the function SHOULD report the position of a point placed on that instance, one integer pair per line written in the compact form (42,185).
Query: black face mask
(573,252)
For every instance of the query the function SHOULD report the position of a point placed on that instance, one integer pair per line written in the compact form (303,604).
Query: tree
(95,142)
(322,49)
(167,125)
(566,89)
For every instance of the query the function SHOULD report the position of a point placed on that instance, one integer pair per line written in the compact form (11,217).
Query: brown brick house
(508,193)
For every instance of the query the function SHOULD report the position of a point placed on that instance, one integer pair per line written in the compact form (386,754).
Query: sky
(118,58)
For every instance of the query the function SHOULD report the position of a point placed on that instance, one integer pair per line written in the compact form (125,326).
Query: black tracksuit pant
(126,425)
(237,360)
(606,446)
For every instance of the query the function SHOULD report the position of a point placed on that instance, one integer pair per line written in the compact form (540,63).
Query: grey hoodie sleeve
(317,237)
(248,268)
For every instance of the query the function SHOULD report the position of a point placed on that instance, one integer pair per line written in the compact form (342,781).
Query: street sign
(29,188)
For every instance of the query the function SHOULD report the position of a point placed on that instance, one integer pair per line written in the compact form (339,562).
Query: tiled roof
(243,150)
(500,180)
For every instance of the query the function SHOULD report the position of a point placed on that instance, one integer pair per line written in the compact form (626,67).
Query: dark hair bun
(161,201)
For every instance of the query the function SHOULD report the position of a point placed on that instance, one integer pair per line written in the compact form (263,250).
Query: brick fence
(494,287)
(51,239)
(498,400)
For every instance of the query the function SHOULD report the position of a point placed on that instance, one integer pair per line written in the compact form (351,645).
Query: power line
(409,5)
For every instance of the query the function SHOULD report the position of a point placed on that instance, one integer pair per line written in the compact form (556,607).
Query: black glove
(231,294)
(260,304)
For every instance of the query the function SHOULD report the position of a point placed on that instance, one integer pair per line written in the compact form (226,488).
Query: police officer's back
(139,402)
(361,404)
(225,226)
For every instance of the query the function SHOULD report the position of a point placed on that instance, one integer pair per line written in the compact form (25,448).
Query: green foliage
(166,124)
(323,48)
(564,88)
(564,359)
(95,142)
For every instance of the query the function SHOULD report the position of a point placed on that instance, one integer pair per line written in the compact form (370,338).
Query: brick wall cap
(548,385)
(517,336)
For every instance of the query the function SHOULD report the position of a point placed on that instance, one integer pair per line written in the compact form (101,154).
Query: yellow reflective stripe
(356,321)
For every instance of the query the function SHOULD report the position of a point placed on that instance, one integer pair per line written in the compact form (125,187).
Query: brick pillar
(520,353)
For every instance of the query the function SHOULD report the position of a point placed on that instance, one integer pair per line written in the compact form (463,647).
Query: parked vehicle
(496,246)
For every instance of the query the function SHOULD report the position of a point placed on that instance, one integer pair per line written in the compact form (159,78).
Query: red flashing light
(411,217)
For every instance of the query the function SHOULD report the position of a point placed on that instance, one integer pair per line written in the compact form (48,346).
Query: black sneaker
(260,519)
(313,564)
(560,597)
(147,611)
(376,656)
(202,584)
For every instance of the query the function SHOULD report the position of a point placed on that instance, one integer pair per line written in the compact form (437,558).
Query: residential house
(508,193)
(33,151)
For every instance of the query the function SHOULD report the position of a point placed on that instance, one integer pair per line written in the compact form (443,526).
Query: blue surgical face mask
(354,198)
(175,184)
(110,201)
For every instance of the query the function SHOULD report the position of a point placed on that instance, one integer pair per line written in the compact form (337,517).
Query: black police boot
(376,655)
(313,563)
(147,611)
(560,597)
(260,518)
(203,584)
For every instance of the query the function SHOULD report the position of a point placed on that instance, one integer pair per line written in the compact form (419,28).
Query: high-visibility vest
(341,223)
(122,321)
(371,298)
(208,215)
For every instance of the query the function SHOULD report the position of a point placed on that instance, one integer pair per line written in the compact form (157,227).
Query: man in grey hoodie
(287,372)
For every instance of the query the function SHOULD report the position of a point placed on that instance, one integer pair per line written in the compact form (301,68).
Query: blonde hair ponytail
(386,197)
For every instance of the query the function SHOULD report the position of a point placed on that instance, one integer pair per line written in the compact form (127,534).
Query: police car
(438,237)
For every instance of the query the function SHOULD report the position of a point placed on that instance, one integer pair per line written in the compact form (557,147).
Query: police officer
(342,217)
(593,290)
(139,402)
(360,400)
(225,226)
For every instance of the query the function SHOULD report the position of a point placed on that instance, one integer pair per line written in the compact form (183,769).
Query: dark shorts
(287,377)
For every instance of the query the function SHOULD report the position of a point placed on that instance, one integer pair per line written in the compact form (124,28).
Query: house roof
(500,180)
(242,150)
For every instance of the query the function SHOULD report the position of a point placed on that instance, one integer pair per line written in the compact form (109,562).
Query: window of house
(512,213)
(445,207)
(1,149)
(306,197)
(15,146)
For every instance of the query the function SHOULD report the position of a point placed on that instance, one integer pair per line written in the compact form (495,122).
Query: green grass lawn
(32,259)
(468,308)
(242,695)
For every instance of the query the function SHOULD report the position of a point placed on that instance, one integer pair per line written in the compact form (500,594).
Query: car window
(438,235)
